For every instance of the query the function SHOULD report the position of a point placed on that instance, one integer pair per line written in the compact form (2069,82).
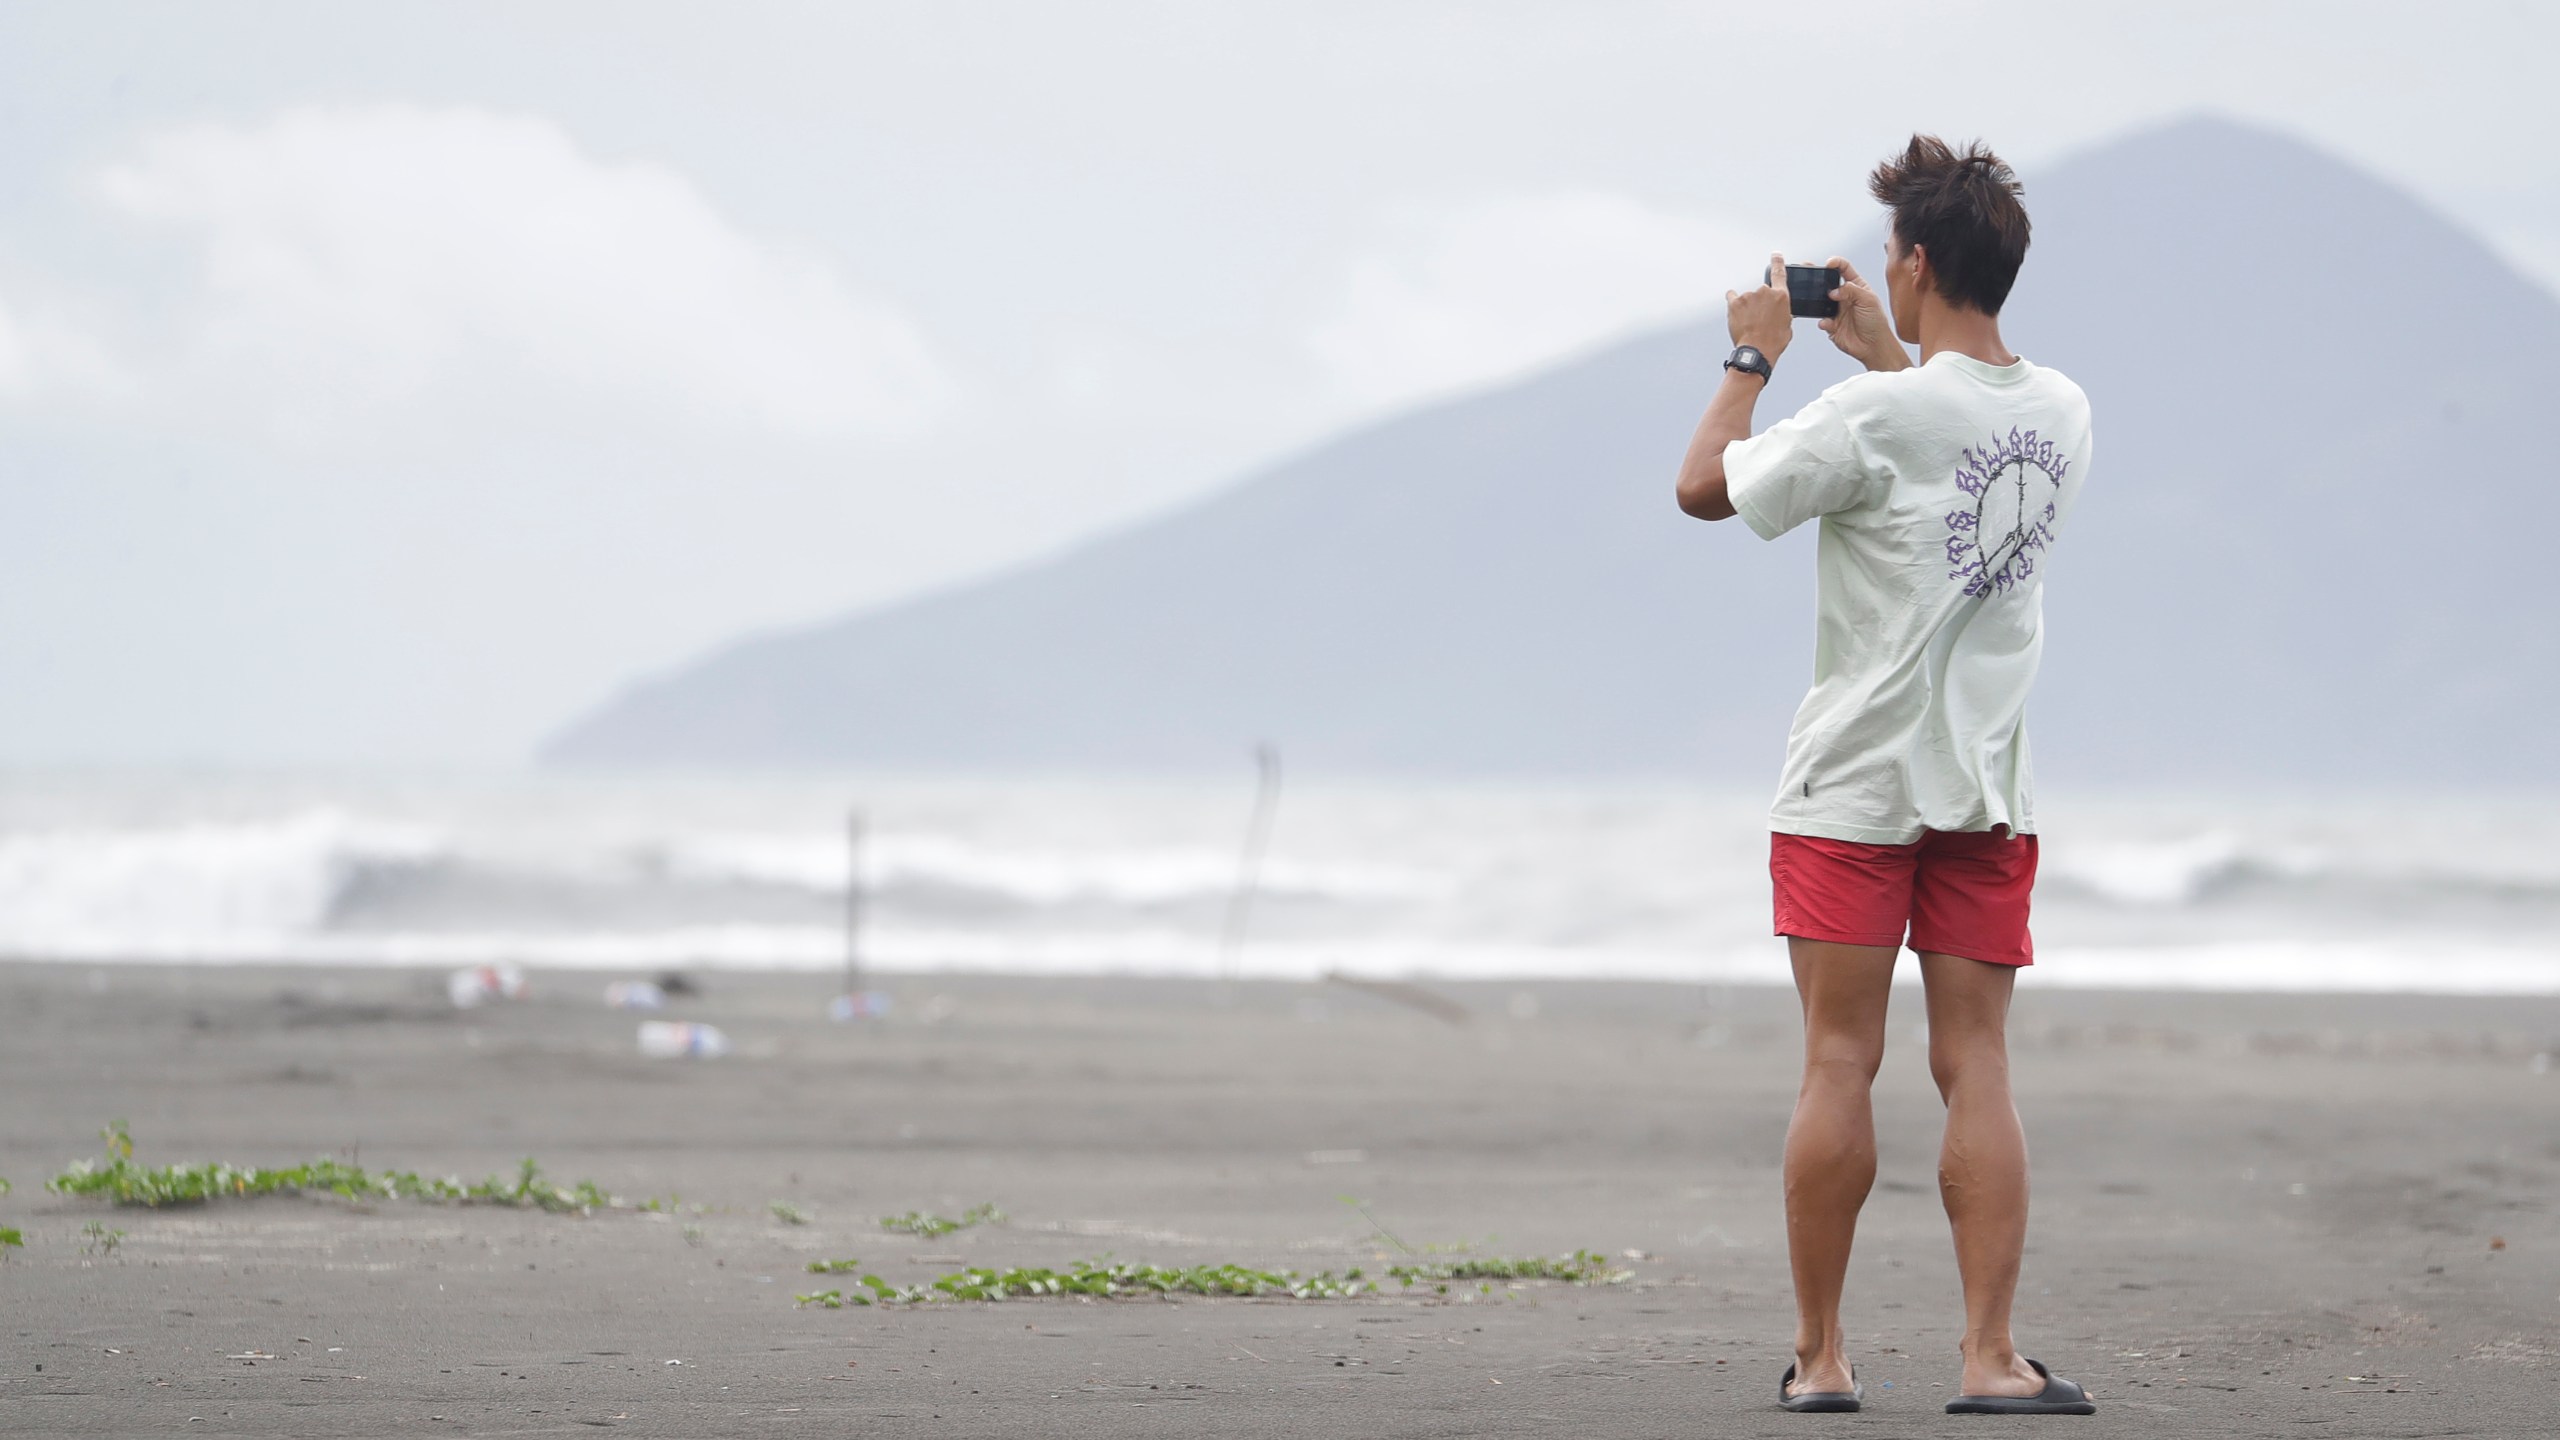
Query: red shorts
(1958,892)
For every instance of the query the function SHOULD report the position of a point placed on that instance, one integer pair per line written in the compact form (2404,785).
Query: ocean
(2418,893)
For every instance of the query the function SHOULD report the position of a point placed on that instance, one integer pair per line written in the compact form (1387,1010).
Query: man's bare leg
(1982,1167)
(1831,1142)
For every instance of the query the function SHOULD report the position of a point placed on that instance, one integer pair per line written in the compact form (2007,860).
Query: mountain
(2316,545)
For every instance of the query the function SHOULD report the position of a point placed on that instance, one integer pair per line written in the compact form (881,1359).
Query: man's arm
(1728,418)
(1757,318)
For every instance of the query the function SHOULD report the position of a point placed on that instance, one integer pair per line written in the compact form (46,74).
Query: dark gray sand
(2327,1216)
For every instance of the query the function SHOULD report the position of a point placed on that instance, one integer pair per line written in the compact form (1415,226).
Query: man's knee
(1959,1056)
(1845,1058)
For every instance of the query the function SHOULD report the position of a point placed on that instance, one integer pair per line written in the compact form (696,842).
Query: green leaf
(123,1182)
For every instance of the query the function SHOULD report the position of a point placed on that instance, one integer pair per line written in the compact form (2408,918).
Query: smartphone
(1809,290)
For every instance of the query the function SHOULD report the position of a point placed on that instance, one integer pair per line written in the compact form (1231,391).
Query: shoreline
(2474,972)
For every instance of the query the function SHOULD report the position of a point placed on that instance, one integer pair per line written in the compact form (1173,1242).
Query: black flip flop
(1821,1402)
(2058,1397)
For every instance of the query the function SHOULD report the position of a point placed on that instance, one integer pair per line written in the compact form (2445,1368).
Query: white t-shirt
(1941,489)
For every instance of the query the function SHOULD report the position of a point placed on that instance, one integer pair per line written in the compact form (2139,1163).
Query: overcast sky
(383,383)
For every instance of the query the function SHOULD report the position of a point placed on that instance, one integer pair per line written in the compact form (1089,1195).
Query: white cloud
(46,356)
(1459,295)
(18,363)
(363,261)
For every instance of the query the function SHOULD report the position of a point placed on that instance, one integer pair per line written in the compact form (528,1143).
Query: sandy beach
(2255,1215)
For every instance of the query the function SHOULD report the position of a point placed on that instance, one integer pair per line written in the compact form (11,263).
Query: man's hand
(1758,318)
(1862,330)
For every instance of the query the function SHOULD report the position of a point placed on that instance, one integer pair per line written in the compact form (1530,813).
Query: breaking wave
(2358,900)
(2199,868)
(2170,872)
(239,889)
(249,881)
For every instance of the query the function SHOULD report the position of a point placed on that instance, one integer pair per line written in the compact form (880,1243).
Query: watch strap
(1749,361)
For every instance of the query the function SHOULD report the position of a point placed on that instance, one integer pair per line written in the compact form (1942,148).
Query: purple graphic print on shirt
(2015,484)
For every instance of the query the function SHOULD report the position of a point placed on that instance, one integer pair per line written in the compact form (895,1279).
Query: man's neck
(1965,331)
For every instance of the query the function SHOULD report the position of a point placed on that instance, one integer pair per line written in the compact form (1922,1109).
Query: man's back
(1942,490)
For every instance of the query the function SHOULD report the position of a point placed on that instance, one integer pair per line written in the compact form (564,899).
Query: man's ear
(1918,260)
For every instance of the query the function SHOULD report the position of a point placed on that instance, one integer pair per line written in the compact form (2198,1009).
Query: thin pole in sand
(1257,835)
(853,904)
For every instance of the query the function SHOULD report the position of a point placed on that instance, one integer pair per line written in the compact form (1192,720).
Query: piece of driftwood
(1411,996)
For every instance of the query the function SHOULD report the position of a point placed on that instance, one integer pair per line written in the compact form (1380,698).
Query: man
(1905,807)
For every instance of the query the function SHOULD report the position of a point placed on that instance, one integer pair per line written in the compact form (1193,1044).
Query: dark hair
(1963,208)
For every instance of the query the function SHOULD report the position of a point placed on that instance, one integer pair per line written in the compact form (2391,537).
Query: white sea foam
(1123,876)
(2295,967)
(2281,967)
(1140,952)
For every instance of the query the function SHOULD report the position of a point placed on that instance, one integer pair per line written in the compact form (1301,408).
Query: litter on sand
(861,1005)
(635,995)
(477,985)
(681,1039)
